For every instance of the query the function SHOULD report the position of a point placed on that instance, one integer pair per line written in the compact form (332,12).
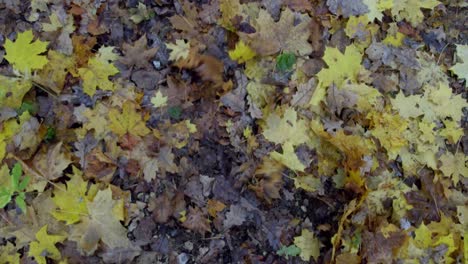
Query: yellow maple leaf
(72,199)
(288,158)
(159,100)
(9,254)
(454,166)
(376,7)
(443,102)
(45,246)
(53,74)
(309,245)
(394,37)
(286,129)
(359,29)
(407,106)
(308,183)
(461,68)
(341,67)
(260,95)
(411,9)
(241,53)
(12,91)
(127,121)
(369,97)
(427,130)
(97,73)
(452,131)
(423,236)
(94,119)
(229,9)
(10,128)
(23,54)
(179,51)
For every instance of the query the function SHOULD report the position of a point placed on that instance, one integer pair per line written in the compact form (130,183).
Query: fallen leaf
(461,68)
(24,53)
(44,246)
(137,54)
(309,245)
(180,50)
(127,121)
(52,163)
(97,73)
(196,221)
(272,37)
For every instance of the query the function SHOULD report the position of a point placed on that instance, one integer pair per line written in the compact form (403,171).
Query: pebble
(182,258)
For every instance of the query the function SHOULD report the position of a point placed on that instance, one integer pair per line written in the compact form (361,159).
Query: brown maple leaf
(430,202)
(137,55)
(196,221)
(379,248)
(285,35)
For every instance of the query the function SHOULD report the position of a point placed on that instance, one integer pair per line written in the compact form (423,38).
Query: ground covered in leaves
(219,131)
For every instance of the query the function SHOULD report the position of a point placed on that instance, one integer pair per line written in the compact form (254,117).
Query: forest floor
(219,131)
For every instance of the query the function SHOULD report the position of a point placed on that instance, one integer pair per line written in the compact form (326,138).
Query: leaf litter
(233,131)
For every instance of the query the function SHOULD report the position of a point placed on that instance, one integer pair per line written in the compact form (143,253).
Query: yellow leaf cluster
(388,129)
